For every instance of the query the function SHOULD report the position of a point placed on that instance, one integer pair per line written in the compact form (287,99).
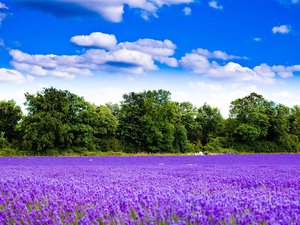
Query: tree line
(58,122)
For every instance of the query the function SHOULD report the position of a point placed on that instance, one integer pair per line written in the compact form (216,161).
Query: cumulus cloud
(286,71)
(187,11)
(160,51)
(96,39)
(215,5)
(200,62)
(12,76)
(138,57)
(215,54)
(108,55)
(110,10)
(283,29)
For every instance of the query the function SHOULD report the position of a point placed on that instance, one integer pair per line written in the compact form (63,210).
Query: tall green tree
(180,139)
(187,114)
(211,122)
(10,116)
(295,121)
(279,118)
(291,140)
(147,121)
(105,124)
(249,118)
(54,120)
(60,120)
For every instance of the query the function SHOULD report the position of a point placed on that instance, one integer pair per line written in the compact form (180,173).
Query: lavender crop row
(253,189)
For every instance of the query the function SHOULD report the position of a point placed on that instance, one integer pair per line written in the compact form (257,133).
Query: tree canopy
(10,115)
(58,121)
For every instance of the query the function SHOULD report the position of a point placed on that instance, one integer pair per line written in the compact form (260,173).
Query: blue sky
(202,51)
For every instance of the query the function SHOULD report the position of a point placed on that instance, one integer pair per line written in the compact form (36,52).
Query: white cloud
(3,6)
(160,50)
(215,5)
(133,58)
(196,63)
(286,71)
(141,56)
(113,10)
(236,72)
(126,57)
(187,11)
(48,65)
(215,54)
(283,29)
(146,15)
(96,39)
(68,67)
(199,61)
(12,76)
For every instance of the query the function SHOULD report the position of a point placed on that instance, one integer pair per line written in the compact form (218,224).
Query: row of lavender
(253,189)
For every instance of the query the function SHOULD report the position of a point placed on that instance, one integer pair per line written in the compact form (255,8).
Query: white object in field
(199,153)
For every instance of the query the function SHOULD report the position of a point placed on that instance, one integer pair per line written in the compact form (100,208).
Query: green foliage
(211,122)
(262,146)
(249,117)
(218,145)
(214,145)
(10,115)
(3,142)
(247,133)
(279,117)
(295,121)
(9,152)
(61,120)
(105,124)
(110,145)
(62,123)
(186,116)
(290,143)
(180,139)
(146,121)
(197,147)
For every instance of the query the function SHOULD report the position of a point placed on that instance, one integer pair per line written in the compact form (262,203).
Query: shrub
(290,143)
(8,152)
(257,146)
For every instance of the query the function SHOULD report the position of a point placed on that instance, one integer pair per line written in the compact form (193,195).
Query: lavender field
(228,189)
